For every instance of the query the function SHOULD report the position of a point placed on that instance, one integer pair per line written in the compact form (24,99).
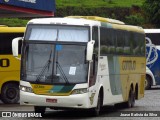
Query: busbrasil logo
(6,0)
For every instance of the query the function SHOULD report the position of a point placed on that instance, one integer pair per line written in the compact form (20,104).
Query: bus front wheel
(97,109)
(10,93)
(40,109)
(147,83)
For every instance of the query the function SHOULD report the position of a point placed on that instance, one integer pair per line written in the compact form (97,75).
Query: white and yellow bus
(9,66)
(81,62)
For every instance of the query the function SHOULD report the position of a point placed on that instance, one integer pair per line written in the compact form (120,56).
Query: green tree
(152,11)
(136,19)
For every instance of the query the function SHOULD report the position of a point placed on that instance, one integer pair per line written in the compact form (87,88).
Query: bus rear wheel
(10,93)
(131,99)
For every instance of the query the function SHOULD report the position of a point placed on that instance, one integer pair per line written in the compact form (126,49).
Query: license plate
(51,100)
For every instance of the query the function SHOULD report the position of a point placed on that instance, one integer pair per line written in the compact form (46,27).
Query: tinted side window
(95,37)
(154,37)
(137,44)
(107,41)
(142,44)
(94,64)
(127,43)
(6,42)
(119,41)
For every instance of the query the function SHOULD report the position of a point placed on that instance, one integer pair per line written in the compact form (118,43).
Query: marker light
(79,91)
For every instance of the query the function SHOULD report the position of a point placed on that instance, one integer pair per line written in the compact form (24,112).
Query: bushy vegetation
(152,12)
(13,22)
(98,3)
(136,19)
(116,13)
(143,13)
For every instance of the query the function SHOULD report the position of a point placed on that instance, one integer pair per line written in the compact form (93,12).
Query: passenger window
(120,42)
(107,41)
(127,48)
(135,44)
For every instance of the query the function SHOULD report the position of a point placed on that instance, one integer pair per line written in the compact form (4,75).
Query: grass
(98,3)
(12,22)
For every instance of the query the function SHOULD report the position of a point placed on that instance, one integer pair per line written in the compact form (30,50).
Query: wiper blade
(44,68)
(62,72)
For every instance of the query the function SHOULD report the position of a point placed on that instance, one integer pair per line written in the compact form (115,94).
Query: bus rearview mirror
(90,47)
(15,46)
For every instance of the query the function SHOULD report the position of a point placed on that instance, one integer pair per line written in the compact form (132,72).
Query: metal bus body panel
(152,55)
(68,101)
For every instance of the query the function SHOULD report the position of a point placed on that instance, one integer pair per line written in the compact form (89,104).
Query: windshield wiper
(62,72)
(44,68)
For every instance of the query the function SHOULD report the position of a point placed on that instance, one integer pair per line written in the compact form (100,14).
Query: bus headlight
(26,89)
(79,91)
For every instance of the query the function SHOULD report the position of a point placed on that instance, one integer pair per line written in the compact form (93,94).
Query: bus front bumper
(71,101)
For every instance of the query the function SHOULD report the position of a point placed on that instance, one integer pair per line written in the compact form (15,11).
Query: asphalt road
(147,106)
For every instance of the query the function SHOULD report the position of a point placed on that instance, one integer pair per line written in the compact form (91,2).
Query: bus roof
(5,29)
(101,19)
(87,21)
(64,21)
(129,28)
(152,30)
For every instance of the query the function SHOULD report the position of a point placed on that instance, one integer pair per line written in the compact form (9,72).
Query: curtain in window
(43,34)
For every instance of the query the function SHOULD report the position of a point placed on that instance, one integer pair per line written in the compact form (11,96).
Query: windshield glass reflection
(55,63)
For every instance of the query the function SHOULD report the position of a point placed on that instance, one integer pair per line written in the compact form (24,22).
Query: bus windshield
(55,63)
(57,33)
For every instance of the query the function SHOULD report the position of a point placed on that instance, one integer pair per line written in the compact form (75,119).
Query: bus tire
(10,93)
(97,109)
(147,83)
(131,99)
(40,109)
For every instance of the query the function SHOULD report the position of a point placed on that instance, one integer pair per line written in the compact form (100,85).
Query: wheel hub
(11,93)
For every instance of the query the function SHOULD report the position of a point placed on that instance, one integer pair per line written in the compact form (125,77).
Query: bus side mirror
(90,47)
(15,46)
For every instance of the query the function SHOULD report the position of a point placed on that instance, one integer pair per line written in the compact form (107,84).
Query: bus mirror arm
(15,46)
(90,47)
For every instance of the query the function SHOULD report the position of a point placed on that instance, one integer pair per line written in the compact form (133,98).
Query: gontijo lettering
(128,65)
